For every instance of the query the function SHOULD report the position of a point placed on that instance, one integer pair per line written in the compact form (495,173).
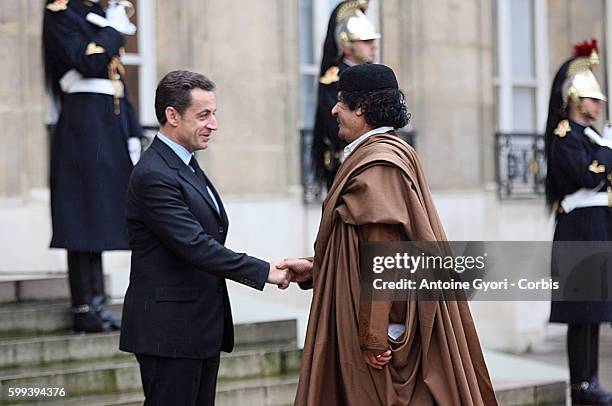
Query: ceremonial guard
(96,141)
(350,41)
(579,190)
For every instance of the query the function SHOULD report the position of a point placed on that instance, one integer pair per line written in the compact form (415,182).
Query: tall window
(140,61)
(521,66)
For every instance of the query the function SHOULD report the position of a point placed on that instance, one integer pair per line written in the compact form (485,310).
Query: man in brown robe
(380,194)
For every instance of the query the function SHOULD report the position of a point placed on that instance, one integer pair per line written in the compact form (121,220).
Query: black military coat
(575,163)
(327,147)
(90,164)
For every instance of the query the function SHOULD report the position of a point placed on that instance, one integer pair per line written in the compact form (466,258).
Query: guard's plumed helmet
(354,26)
(581,82)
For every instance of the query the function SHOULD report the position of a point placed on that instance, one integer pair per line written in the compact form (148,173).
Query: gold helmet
(348,8)
(354,26)
(581,82)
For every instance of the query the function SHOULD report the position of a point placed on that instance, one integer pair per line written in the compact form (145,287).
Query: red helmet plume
(585,48)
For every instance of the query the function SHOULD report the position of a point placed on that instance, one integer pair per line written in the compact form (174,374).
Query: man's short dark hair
(174,90)
(381,108)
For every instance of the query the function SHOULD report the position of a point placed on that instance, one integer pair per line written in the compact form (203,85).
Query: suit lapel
(184,172)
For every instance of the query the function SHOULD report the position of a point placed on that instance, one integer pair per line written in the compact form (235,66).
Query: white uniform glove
(134,148)
(116,17)
(607,131)
(116,14)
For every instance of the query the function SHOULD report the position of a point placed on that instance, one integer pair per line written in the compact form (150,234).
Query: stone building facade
(470,69)
(447,55)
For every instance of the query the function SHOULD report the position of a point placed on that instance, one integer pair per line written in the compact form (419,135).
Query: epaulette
(331,76)
(563,128)
(93,49)
(58,5)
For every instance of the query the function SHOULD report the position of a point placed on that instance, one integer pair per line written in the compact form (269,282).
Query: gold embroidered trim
(595,167)
(563,128)
(58,5)
(331,76)
(93,49)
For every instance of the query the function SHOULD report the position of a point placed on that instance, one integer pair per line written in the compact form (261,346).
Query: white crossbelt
(74,82)
(597,139)
(589,197)
(585,198)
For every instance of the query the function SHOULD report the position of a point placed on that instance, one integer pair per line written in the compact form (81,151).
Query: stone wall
(23,144)
(251,53)
(442,52)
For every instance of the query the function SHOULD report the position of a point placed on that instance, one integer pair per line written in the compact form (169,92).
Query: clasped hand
(289,270)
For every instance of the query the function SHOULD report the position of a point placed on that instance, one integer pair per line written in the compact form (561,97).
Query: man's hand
(301,269)
(278,276)
(377,359)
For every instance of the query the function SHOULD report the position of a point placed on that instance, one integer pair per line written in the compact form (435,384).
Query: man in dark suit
(176,314)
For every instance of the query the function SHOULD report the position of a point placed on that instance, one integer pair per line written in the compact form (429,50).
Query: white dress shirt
(185,156)
(348,150)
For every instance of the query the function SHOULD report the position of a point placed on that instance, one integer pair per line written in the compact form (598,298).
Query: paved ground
(552,351)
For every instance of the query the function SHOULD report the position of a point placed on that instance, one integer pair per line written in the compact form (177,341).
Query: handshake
(289,270)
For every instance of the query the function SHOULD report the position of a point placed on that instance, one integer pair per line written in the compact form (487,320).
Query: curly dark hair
(382,107)
(174,90)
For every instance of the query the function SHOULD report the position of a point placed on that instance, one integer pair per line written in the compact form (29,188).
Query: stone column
(442,52)
(23,144)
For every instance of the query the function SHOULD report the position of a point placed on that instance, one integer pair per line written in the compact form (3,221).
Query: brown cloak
(439,359)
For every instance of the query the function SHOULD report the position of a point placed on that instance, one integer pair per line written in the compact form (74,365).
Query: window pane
(305,32)
(523,109)
(522,39)
(308,94)
(498,107)
(495,39)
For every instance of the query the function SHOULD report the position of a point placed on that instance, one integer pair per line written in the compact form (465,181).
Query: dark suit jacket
(177,303)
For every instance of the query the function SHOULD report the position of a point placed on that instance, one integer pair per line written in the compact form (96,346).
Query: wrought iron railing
(520,165)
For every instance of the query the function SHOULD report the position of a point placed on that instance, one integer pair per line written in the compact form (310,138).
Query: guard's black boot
(106,314)
(590,393)
(583,354)
(98,300)
(86,320)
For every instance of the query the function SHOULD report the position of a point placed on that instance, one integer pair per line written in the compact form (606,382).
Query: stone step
(48,317)
(532,393)
(16,288)
(118,376)
(39,318)
(280,390)
(270,391)
(523,382)
(67,347)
